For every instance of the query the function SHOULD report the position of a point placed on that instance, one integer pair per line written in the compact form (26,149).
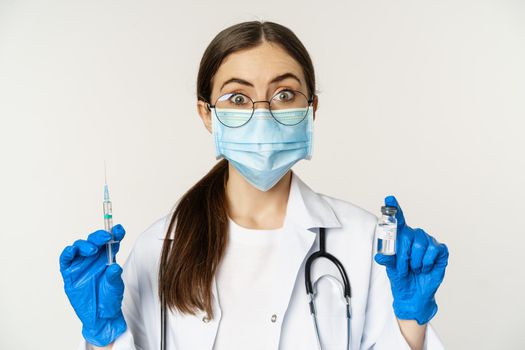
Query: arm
(382,329)
(108,347)
(415,273)
(413,333)
(130,309)
(94,289)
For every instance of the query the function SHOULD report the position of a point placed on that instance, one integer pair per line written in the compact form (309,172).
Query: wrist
(420,310)
(105,332)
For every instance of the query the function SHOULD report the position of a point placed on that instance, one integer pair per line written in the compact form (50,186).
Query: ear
(205,114)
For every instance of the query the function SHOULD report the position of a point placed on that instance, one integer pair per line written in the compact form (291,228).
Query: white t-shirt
(244,282)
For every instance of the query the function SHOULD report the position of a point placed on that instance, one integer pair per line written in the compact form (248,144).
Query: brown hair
(189,261)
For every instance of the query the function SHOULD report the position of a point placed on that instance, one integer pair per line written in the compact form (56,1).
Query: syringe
(108,219)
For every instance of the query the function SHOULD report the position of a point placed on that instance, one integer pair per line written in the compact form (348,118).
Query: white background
(421,99)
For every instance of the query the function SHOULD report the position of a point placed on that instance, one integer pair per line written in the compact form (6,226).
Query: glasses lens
(289,107)
(234,109)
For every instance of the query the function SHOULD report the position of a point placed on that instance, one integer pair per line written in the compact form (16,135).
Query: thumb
(385,260)
(111,292)
(113,274)
(392,201)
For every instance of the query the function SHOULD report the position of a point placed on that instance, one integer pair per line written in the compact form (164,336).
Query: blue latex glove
(95,289)
(415,271)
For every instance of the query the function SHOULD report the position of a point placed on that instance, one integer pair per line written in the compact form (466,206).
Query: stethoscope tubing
(322,253)
(163,326)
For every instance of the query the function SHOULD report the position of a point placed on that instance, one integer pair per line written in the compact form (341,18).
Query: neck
(252,208)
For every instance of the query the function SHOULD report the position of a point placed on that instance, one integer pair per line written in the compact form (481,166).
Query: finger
(118,232)
(385,260)
(85,248)
(400,217)
(418,250)
(430,256)
(99,238)
(67,256)
(442,259)
(402,253)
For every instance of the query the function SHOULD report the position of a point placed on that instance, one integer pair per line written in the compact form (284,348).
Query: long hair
(188,262)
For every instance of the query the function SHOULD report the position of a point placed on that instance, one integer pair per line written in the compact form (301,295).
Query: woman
(229,261)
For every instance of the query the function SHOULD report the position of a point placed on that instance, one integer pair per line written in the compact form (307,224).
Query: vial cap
(388,210)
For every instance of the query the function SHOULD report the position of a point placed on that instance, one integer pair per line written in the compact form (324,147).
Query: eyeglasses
(288,107)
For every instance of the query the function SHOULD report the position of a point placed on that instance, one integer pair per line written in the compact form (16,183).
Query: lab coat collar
(305,209)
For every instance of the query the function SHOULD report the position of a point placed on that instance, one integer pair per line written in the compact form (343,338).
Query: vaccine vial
(386,231)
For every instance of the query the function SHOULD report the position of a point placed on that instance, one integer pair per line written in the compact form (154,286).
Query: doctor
(229,260)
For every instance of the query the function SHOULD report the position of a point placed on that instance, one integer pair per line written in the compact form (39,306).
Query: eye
(285,95)
(238,99)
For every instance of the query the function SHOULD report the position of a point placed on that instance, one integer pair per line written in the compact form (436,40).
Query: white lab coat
(350,232)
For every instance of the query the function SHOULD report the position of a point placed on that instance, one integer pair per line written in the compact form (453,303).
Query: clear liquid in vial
(386,238)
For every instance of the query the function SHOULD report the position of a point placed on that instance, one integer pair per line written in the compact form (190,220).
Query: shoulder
(156,230)
(351,215)
(348,209)
(149,242)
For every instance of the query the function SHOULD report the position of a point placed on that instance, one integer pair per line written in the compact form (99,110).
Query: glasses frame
(309,100)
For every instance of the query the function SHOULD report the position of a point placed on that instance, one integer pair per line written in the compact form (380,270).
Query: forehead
(258,65)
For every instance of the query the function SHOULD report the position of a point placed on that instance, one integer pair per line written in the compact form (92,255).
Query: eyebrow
(274,80)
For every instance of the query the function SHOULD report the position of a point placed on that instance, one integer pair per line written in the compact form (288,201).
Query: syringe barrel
(108,217)
(108,225)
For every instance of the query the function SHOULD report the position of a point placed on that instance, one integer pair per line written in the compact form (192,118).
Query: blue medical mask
(263,150)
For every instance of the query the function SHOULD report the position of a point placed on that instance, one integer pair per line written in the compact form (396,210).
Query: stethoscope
(321,253)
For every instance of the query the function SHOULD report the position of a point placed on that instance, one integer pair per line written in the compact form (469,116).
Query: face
(259,73)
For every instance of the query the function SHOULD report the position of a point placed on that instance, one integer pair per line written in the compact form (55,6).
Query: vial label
(387,231)
(386,238)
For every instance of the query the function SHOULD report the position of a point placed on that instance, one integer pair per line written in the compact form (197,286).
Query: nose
(255,103)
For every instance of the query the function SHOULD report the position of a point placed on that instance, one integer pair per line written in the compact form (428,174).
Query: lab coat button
(205,319)
(274,317)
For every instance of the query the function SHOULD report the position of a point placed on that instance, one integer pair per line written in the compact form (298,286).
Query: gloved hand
(415,271)
(95,289)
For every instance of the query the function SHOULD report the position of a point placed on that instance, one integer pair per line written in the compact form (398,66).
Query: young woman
(230,264)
